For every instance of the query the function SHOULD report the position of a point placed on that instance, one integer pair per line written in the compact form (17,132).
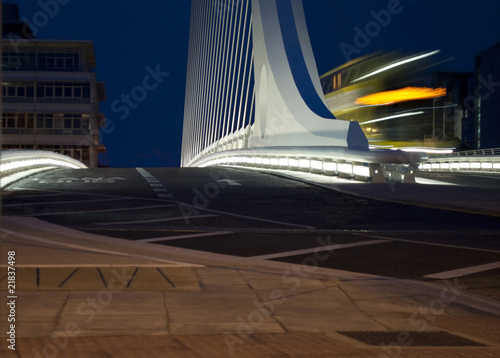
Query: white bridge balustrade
(472,160)
(254,99)
(17,164)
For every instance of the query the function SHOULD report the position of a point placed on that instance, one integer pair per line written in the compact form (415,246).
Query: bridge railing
(17,164)
(480,160)
(476,152)
(375,166)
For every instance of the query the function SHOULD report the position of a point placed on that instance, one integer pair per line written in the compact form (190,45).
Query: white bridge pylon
(253,97)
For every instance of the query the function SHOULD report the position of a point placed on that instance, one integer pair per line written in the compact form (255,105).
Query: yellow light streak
(401,95)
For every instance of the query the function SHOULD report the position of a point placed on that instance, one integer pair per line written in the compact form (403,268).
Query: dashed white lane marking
(104,211)
(66,202)
(155,220)
(318,249)
(464,271)
(155,184)
(144,173)
(165,196)
(191,236)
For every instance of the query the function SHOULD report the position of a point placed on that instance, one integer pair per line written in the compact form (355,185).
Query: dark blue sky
(130,36)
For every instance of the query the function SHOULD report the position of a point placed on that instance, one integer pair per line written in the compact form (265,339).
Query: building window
(46,92)
(58,62)
(17,123)
(63,92)
(45,123)
(12,61)
(17,92)
(30,61)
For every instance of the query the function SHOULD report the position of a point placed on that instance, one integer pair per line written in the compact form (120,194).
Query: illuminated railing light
(14,165)
(317,165)
(283,162)
(475,165)
(455,165)
(361,170)
(345,168)
(330,166)
(464,165)
(304,163)
(496,165)
(435,166)
(486,165)
(426,166)
(266,161)
(275,162)
(259,161)
(293,163)
(445,165)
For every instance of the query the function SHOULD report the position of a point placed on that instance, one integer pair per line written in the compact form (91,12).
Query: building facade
(454,117)
(485,104)
(50,93)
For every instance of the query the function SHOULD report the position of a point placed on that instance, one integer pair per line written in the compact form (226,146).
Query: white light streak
(393,117)
(368,105)
(424,108)
(426,150)
(397,64)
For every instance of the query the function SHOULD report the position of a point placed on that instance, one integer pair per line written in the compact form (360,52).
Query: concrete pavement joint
(83,248)
(359,309)
(165,277)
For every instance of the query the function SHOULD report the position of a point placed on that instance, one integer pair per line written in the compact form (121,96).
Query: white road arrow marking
(229,182)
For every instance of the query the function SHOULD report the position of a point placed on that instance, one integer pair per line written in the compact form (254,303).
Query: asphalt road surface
(251,214)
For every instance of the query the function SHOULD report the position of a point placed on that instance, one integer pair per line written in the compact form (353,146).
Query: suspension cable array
(220,95)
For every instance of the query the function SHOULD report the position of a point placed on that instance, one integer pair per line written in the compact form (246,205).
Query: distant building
(50,93)
(452,115)
(486,104)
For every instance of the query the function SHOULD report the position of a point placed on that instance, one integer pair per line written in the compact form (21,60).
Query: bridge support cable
(219,87)
(253,97)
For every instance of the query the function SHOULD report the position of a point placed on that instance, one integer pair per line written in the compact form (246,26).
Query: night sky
(131,35)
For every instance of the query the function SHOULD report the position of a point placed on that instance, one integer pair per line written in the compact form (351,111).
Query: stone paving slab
(214,277)
(480,328)
(230,307)
(135,278)
(290,345)
(231,327)
(106,323)
(109,304)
